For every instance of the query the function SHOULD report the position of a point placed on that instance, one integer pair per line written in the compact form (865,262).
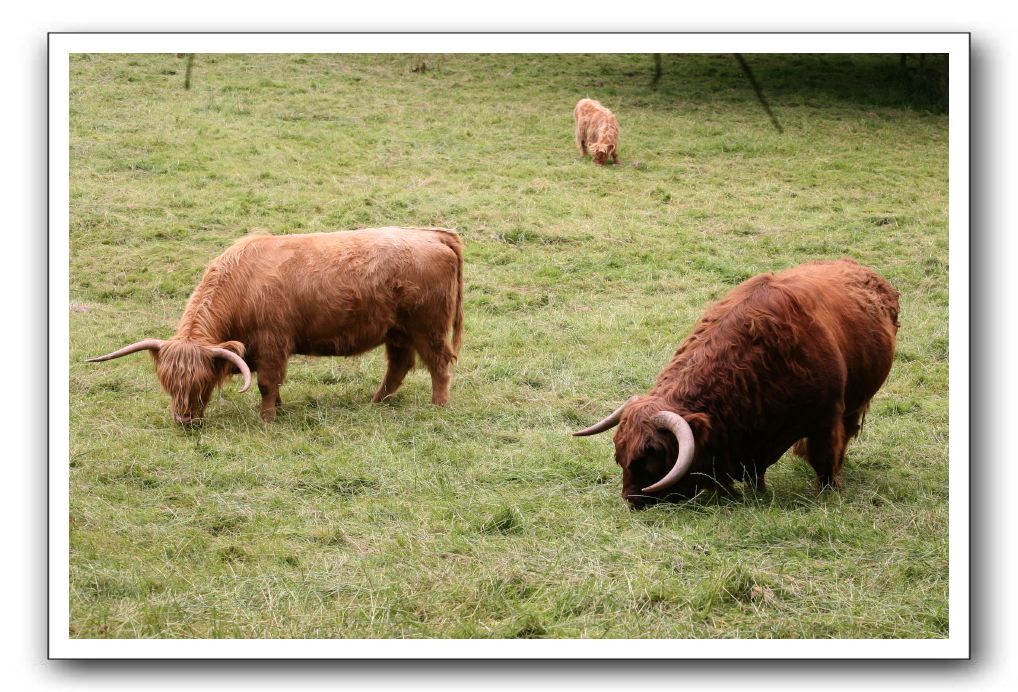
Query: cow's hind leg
(825,451)
(853,423)
(271,373)
(401,360)
(438,357)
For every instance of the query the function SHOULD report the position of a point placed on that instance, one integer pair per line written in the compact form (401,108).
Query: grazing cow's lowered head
(656,448)
(784,358)
(189,371)
(601,152)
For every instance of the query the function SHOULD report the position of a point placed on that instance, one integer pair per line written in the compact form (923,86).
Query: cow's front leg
(270,398)
(270,378)
(825,450)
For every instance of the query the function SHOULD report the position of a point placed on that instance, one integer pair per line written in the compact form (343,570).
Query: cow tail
(451,239)
(457,320)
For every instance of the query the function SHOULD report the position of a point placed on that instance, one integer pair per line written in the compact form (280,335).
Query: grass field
(486,519)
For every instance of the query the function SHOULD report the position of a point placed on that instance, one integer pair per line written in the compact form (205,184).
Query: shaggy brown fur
(597,130)
(783,357)
(324,294)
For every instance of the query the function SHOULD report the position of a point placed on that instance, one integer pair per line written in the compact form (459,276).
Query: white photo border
(63,45)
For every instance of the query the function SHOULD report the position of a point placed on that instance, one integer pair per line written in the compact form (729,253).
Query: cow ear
(700,425)
(235,346)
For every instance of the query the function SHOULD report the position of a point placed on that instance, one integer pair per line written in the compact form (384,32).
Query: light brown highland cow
(597,130)
(268,297)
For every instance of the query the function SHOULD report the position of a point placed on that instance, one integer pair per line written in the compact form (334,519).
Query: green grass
(486,519)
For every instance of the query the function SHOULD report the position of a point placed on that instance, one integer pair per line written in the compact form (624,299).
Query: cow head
(189,371)
(655,446)
(600,153)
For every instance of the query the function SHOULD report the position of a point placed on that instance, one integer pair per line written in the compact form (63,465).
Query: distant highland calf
(597,131)
(784,358)
(324,294)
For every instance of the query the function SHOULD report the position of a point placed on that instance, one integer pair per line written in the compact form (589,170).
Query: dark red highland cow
(321,294)
(784,357)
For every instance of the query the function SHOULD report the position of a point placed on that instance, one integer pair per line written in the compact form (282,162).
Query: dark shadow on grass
(710,502)
(703,503)
(875,80)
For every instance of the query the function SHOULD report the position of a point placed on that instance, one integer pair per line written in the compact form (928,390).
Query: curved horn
(236,360)
(676,425)
(143,345)
(610,422)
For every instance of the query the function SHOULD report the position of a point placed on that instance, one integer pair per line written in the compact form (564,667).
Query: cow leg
(853,422)
(826,452)
(438,357)
(615,157)
(401,359)
(754,478)
(271,373)
(582,145)
(768,455)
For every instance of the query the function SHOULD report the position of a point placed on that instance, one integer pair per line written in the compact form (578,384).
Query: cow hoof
(269,416)
(829,484)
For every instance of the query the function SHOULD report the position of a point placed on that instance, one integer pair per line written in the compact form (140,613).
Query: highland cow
(597,130)
(322,294)
(783,358)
